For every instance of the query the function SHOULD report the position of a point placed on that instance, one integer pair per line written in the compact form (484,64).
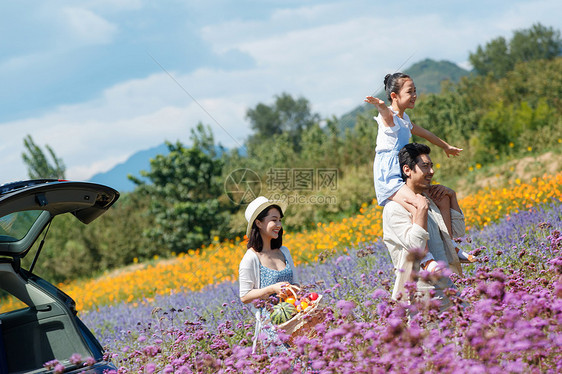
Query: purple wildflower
(346,307)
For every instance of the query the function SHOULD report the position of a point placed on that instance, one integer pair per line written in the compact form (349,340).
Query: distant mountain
(117,176)
(427,75)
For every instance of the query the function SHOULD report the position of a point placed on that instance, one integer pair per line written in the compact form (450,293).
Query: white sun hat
(257,206)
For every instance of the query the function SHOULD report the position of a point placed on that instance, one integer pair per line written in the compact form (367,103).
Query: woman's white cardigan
(249,279)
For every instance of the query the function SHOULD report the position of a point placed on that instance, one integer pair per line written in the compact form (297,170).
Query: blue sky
(98,80)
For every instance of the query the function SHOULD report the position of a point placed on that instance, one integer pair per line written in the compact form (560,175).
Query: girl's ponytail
(386,77)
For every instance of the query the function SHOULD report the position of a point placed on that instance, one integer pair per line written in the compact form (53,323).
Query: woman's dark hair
(255,241)
(409,156)
(393,83)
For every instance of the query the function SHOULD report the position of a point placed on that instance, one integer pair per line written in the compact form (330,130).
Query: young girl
(395,130)
(267,267)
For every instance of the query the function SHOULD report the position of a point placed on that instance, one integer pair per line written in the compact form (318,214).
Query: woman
(267,267)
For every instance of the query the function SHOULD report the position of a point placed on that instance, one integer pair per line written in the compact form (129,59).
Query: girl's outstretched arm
(431,137)
(387,115)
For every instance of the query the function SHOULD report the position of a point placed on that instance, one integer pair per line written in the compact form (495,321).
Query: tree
(537,43)
(264,121)
(38,166)
(185,190)
(499,56)
(494,59)
(286,115)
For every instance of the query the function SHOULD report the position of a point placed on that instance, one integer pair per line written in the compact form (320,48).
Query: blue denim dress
(267,278)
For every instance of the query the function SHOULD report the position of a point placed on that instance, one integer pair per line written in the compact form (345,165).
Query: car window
(10,303)
(15,226)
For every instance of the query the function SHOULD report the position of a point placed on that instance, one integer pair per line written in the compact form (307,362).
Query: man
(406,236)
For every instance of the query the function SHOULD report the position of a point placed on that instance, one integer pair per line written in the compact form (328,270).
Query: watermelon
(282,312)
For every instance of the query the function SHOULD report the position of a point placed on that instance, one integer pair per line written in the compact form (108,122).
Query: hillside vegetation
(504,117)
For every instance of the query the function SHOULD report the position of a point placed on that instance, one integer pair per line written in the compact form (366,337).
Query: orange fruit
(290,300)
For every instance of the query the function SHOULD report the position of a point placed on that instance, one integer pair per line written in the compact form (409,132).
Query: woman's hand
(279,288)
(286,290)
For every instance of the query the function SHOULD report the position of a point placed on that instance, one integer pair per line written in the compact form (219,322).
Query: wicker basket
(302,324)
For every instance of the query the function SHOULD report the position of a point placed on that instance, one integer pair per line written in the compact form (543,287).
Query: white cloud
(522,15)
(465,65)
(86,171)
(86,27)
(15,63)
(112,6)
(94,136)
(333,65)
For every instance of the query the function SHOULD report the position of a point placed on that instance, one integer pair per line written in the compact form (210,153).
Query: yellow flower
(529,149)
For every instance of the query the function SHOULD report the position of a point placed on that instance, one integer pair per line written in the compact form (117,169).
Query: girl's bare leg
(444,206)
(405,193)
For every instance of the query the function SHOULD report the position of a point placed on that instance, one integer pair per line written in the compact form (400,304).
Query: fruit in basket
(304,305)
(313,296)
(290,300)
(282,312)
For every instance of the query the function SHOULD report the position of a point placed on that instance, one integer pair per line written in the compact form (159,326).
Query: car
(46,327)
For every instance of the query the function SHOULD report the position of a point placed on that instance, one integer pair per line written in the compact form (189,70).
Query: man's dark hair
(409,156)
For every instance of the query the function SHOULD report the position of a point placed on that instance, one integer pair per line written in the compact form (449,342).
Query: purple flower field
(512,323)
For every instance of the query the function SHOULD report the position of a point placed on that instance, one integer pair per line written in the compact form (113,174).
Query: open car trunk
(47,328)
(41,332)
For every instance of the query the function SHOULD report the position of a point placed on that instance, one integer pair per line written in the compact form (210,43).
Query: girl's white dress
(386,167)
